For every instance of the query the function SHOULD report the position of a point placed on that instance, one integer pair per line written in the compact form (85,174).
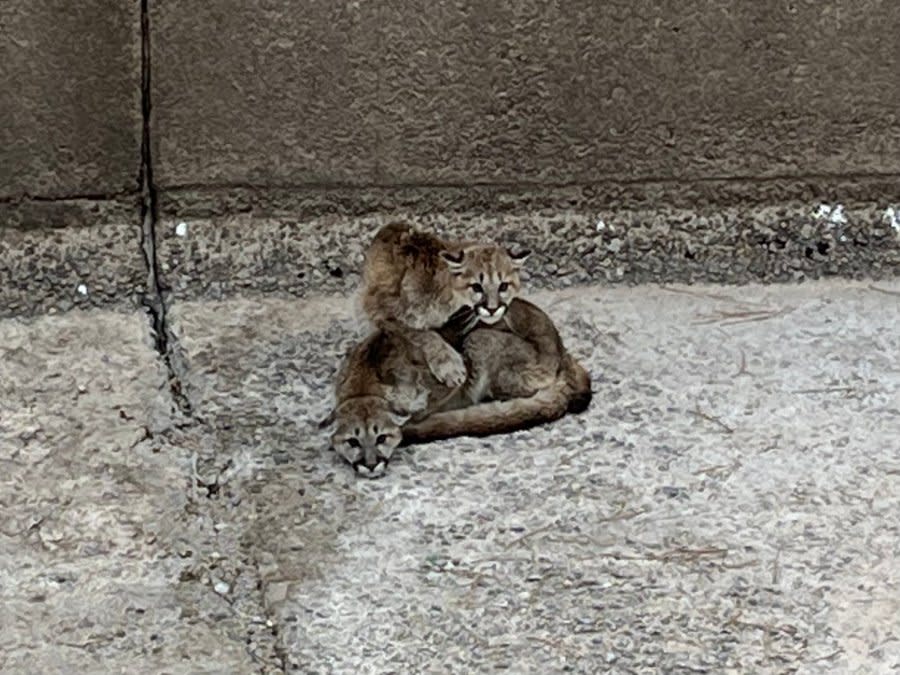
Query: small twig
(579,539)
(823,390)
(529,535)
(714,469)
(713,296)
(741,565)
(743,367)
(622,514)
(873,287)
(709,418)
(828,657)
(776,567)
(496,559)
(675,555)
(761,317)
(729,318)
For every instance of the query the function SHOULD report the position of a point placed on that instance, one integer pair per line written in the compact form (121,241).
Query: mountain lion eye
(503,287)
(381,440)
(353,442)
(477,288)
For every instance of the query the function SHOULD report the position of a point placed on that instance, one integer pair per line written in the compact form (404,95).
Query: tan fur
(383,383)
(386,392)
(521,376)
(417,281)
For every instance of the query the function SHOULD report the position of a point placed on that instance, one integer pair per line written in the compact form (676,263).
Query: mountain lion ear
(454,259)
(328,421)
(399,416)
(519,257)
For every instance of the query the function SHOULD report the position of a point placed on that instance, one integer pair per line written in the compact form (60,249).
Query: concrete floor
(730,502)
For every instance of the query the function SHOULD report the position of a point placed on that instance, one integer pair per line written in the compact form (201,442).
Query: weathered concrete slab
(730,500)
(297,255)
(109,560)
(275,94)
(526,91)
(54,270)
(70,98)
(261,92)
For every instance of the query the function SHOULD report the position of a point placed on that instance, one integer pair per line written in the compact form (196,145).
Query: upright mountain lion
(417,281)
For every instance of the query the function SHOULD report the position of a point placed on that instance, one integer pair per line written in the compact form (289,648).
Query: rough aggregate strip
(290,256)
(50,271)
(730,502)
(105,550)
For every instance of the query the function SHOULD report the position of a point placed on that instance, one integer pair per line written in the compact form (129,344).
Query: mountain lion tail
(578,385)
(485,419)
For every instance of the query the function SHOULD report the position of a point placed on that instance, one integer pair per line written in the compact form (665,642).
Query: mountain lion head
(365,432)
(486,278)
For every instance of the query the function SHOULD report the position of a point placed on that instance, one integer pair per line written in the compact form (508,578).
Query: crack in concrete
(155,301)
(114,195)
(154,298)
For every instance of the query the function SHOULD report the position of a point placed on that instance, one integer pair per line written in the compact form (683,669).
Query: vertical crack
(380,66)
(153,298)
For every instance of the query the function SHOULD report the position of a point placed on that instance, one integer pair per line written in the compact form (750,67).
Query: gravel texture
(578,236)
(48,271)
(296,256)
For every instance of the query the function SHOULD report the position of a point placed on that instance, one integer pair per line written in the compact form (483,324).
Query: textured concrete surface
(109,556)
(70,92)
(273,93)
(326,108)
(264,92)
(729,502)
(53,270)
(296,256)
(105,264)
(529,90)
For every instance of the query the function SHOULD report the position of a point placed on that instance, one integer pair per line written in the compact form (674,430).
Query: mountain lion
(417,281)
(520,375)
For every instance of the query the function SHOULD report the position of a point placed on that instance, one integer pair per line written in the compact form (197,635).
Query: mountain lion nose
(371,458)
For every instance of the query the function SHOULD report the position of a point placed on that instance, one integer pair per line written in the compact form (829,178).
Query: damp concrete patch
(295,256)
(729,501)
(110,559)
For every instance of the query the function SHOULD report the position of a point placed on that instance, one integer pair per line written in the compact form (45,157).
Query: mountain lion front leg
(445,363)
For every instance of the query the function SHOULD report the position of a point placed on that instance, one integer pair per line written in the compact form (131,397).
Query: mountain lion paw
(448,367)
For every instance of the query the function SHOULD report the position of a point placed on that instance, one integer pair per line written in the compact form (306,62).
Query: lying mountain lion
(520,375)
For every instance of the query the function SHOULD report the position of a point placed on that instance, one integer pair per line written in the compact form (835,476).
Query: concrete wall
(70,93)
(363,107)
(276,92)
